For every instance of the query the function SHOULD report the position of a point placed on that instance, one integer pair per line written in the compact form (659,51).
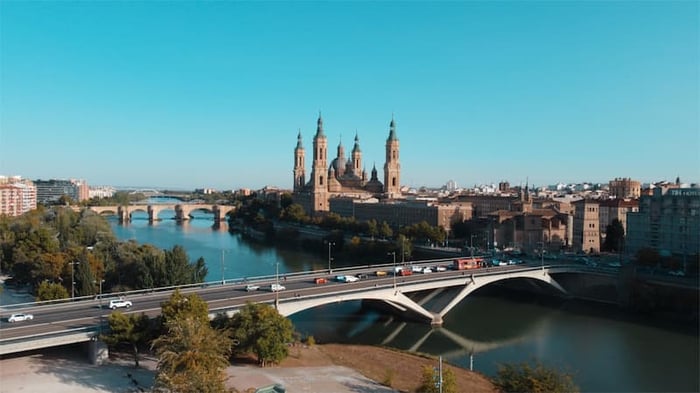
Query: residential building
(668,220)
(616,209)
(50,191)
(17,196)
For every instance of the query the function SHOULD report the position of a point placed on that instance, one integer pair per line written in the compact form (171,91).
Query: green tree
(132,329)
(260,329)
(385,230)
(50,291)
(404,245)
(614,236)
(180,307)
(430,378)
(191,354)
(533,379)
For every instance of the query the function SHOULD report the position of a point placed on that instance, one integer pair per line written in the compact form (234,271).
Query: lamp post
(72,278)
(330,244)
(393,254)
(542,255)
(223,280)
(100,299)
(471,243)
(277,287)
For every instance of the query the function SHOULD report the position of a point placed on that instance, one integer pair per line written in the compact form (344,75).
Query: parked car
(251,287)
(20,317)
(277,287)
(119,303)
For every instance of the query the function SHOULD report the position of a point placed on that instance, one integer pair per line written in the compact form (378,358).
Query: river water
(605,349)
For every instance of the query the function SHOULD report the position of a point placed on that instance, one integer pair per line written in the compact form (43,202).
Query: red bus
(467,263)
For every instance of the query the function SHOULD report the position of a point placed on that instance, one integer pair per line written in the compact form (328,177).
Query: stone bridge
(182,211)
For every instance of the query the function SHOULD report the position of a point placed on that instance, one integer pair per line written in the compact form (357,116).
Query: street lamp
(72,278)
(100,299)
(542,255)
(277,285)
(393,254)
(330,244)
(223,280)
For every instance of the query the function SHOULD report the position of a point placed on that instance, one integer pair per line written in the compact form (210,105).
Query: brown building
(586,226)
(616,209)
(625,188)
(17,196)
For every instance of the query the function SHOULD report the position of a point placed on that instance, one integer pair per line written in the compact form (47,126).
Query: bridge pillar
(152,214)
(179,213)
(98,352)
(217,213)
(123,214)
(437,320)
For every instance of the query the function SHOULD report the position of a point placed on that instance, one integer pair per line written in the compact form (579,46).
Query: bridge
(427,297)
(183,211)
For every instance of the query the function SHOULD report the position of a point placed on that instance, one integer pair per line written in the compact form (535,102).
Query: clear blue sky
(211,94)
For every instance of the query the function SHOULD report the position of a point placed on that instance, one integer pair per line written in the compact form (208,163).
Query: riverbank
(330,367)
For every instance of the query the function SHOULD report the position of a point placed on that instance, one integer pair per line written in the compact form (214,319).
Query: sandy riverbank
(328,368)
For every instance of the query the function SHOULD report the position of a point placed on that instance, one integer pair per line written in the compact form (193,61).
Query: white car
(251,287)
(351,278)
(119,303)
(20,317)
(277,288)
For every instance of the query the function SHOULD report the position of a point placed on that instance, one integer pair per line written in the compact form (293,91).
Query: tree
(385,230)
(614,236)
(429,381)
(534,379)
(50,291)
(180,307)
(192,357)
(260,329)
(191,354)
(131,329)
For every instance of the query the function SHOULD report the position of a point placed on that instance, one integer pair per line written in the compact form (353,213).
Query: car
(351,279)
(380,273)
(427,270)
(277,288)
(251,287)
(119,303)
(439,268)
(20,317)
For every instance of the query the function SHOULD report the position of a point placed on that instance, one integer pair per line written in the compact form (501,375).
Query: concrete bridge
(182,211)
(425,297)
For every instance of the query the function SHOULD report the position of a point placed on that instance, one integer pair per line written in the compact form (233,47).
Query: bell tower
(299,173)
(319,174)
(392,168)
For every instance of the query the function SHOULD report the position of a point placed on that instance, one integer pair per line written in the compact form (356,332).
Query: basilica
(344,176)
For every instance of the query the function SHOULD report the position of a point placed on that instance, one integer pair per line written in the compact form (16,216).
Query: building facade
(586,226)
(625,188)
(50,191)
(668,222)
(17,196)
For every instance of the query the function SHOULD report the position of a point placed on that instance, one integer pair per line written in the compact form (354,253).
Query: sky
(184,94)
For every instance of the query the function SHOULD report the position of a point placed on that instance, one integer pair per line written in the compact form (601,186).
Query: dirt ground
(382,365)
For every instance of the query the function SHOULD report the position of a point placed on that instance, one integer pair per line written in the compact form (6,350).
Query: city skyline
(186,95)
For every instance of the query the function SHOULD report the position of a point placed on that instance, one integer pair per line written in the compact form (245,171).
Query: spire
(392,129)
(299,144)
(319,125)
(356,148)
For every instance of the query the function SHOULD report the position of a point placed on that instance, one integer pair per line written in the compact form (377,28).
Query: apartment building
(616,209)
(668,220)
(624,188)
(17,196)
(50,191)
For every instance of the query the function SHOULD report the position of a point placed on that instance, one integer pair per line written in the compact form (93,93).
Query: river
(605,349)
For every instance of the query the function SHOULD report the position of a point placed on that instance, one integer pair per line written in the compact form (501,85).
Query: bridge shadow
(69,365)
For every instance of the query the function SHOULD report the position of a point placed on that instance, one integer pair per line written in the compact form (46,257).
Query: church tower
(392,168)
(340,161)
(299,173)
(319,185)
(357,157)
